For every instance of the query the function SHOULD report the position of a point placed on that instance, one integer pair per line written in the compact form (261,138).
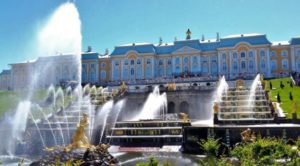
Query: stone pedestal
(216,120)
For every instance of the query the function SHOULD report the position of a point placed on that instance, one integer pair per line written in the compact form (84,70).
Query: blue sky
(107,23)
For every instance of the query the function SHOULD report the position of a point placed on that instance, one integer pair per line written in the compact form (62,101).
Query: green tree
(278,98)
(291,96)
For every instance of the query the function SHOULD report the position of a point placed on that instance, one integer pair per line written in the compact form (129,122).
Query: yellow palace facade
(234,56)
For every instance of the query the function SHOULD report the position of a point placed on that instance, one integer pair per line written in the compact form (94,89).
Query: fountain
(150,127)
(154,106)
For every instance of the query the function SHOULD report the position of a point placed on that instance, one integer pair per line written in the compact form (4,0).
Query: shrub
(278,98)
(281,85)
(291,84)
(271,86)
(291,96)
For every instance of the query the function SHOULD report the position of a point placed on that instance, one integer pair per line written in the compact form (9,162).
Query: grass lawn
(8,101)
(286,103)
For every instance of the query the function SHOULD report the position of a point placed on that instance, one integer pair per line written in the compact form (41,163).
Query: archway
(171,107)
(184,107)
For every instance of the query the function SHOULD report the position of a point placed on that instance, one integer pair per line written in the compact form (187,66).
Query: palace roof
(295,41)
(206,45)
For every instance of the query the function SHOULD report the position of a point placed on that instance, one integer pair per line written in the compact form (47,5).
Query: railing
(161,80)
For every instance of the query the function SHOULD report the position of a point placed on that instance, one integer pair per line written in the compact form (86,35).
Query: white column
(220,63)
(268,62)
(293,60)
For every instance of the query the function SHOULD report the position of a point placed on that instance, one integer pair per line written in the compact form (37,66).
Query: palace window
(298,64)
(273,65)
(250,54)
(195,59)
(132,62)
(284,53)
(186,60)
(285,64)
(262,53)
(298,52)
(224,66)
(148,61)
(138,62)
(243,65)
(103,65)
(169,61)
(224,56)
(251,66)
(177,60)
(263,64)
(126,62)
(160,62)
(132,71)
(116,63)
(235,66)
(243,55)
(103,74)
(273,53)
(234,55)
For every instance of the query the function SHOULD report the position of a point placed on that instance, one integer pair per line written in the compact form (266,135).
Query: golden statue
(185,117)
(80,140)
(248,135)
(171,86)
(239,84)
(216,107)
(123,86)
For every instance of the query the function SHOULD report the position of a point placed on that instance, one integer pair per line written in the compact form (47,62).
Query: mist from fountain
(62,32)
(153,106)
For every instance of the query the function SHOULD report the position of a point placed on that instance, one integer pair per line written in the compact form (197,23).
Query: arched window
(186,60)
(138,62)
(169,62)
(262,53)
(132,62)
(284,53)
(103,64)
(195,60)
(250,54)
(285,64)
(273,65)
(273,53)
(148,61)
(243,55)
(160,62)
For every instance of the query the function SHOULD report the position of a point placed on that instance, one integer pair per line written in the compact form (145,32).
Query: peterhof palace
(235,56)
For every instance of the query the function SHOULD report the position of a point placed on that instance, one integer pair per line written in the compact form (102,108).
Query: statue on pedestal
(248,135)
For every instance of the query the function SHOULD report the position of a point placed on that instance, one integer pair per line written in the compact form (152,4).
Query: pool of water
(127,159)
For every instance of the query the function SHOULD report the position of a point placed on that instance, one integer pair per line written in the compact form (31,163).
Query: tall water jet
(255,84)
(153,106)
(117,108)
(101,117)
(222,88)
(19,123)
